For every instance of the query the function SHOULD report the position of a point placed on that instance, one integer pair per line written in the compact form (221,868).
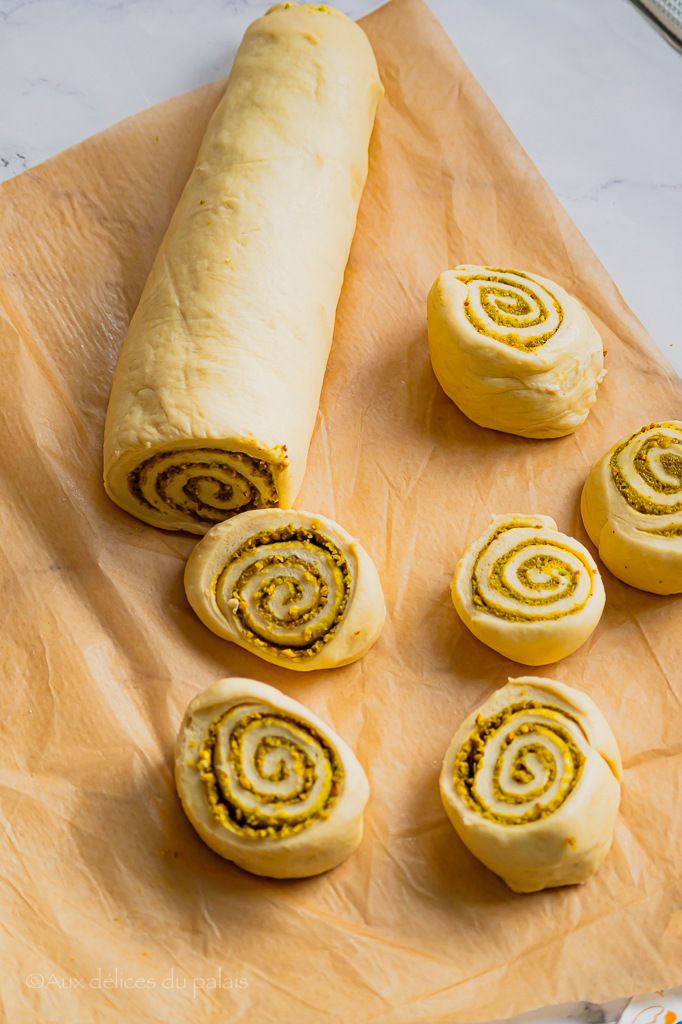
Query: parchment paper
(107,891)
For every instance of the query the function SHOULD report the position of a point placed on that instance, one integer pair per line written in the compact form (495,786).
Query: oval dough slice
(513,350)
(528,591)
(292,587)
(632,508)
(266,783)
(217,386)
(531,784)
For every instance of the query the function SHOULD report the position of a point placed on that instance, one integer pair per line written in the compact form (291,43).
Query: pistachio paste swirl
(646,468)
(267,775)
(632,508)
(528,591)
(531,784)
(266,783)
(288,589)
(521,764)
(205,485)
(511,307)
(523,575)
(292,587)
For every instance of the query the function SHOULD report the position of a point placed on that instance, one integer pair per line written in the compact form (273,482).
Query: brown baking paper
(113,909)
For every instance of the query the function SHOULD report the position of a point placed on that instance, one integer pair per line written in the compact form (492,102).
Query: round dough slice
(531,784)
(528,591)
(292,587)
(266,783)
(217,386)
(632,508)
(513,350)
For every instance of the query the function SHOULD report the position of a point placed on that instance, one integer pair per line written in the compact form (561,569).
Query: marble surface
(591,90)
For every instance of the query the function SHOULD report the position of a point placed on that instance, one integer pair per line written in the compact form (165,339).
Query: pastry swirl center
(207,485)
(288,590)
(646,469)
(509,306)
(521,764)
(523,577)
(267,775)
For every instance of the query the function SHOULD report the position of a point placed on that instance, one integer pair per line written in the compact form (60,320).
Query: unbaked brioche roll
(292,587)
(632,508)
(266,783)
(528,591)
(531,783)
(513,350)
(217,387)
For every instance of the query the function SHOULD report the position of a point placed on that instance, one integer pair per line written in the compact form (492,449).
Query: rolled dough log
(218,383)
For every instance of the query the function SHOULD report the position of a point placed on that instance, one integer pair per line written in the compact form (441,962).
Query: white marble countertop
(590,89)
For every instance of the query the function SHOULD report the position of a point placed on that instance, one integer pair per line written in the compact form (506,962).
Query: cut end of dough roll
(531,784)
(266,783)
(632,508)
(292,587)
(529,592)
(513,350)
(193,487)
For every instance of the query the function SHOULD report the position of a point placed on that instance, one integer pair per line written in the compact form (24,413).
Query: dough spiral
(632,508)
(205,485)
(531,783)
(513,350)
(266,783)
(217,386)
(293,588)
(511,307)
(528,591)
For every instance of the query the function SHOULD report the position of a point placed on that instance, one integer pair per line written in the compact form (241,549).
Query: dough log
(528,591)
(513,350)
(294,588)
(217,386)
(531,784)
(632,508)
(266,783)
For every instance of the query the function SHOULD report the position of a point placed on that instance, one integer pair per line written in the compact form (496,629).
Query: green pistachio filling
(671,463)
(268,815)
(675,530)
(555,568)
(470,759)
(246,485)
(319,628)
(507,308)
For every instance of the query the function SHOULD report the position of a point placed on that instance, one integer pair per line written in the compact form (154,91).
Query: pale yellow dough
(528,591)
(632,508)
(217,386)
(279,736)
(513,350)
(325,607)
(570,842)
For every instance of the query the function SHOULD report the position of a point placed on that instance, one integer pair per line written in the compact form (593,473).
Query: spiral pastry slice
(528,591)
(513,350)
(531,783)
(266,783)
(293,588)
(195,488)
(632,508)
